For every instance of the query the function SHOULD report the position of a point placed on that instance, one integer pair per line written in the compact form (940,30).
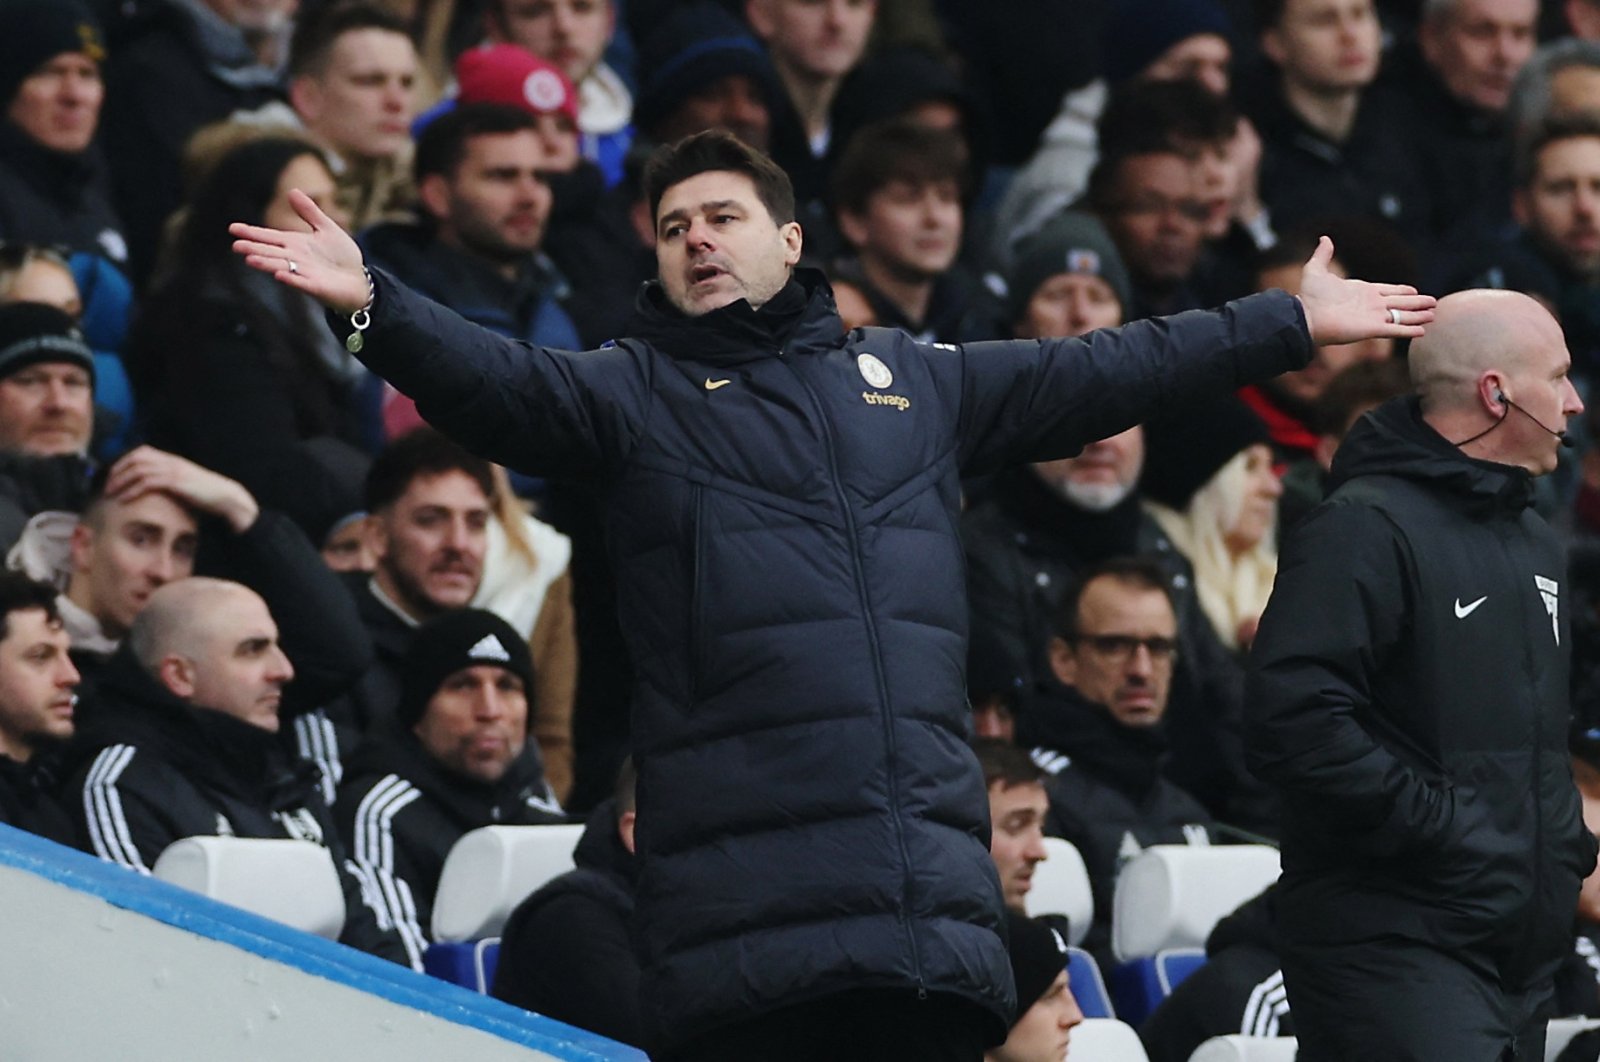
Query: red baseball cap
(505,73)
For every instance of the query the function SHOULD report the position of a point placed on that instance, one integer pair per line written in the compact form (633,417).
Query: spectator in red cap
(512,76)
(574,34)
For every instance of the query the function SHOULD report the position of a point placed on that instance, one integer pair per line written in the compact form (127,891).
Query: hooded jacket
(781,503)
(400,812)
(148,769)
(567,950)
(1408,696)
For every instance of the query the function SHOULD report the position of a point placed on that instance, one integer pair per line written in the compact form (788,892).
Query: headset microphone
(1561,435)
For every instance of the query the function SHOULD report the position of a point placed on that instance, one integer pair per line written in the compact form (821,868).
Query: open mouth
(705,271)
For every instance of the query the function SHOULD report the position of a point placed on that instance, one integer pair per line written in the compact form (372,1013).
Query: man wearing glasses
(1098,733)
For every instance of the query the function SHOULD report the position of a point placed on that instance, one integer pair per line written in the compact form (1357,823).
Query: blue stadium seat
(470,964)
(1175,964)
(1088,987)
(487,959)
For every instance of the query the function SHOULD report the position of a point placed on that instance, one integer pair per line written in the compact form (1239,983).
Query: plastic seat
(1170,897)
(1088,987)
(292,882)
(1175,964)
(1560,1033)
(470,964)
(1106,1040)
(1246,1049)
(491,870)
(1061,886)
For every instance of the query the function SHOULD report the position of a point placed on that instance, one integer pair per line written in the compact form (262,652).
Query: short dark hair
(1550,131)
(315,33)
(897,150)
(443,143)
(1269,13)
(1366,383)
(18,593)
(1144,116)
(423,452)
(718,150)
(1101,193)
(1005,763)
(1137,572)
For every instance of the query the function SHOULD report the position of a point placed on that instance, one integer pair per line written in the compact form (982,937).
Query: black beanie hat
(1183,452)
(697,44)
(1141,30)
(33,32)
(468,637)
(31,332)
(1038,955)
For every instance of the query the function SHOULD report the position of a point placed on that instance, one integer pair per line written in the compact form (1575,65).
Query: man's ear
(758,13)
(81,547)
(853,227)
(1520,212)
(793,241)
(1272,46)
(177,675)
(625,827)
(1063,662)
(375,535)
(434,195)
(305,96)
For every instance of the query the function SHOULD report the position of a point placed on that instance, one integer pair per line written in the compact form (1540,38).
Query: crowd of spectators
(256,594)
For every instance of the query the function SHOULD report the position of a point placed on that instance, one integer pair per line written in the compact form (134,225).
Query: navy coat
(782,521)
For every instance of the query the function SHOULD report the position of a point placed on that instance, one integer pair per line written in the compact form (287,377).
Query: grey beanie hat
(1072,242)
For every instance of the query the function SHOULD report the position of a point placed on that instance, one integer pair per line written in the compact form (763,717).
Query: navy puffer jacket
(782,521)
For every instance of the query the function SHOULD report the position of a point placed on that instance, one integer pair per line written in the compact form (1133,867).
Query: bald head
(181,617)
(1474,332)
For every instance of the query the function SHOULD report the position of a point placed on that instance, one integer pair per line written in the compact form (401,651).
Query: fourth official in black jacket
(1409,698)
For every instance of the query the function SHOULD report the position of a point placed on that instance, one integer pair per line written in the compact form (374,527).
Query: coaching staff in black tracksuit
(1409,698)
(814,876)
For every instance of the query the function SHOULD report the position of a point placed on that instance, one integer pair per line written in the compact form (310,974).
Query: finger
(258,234)
(1416,303)
(307,208)
(1396,289)
(277,265)
(1321,256)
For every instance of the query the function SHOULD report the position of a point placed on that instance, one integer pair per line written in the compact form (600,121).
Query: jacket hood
(1393,440)
(600,848)
(799,319)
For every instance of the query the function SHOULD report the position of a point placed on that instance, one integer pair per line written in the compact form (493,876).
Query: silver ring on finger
(1394,315)
(296,271)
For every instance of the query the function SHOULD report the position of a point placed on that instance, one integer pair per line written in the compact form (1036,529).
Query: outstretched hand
(1340,310)
(325,263)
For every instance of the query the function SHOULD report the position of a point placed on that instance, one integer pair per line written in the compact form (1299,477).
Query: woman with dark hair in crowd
(239,373)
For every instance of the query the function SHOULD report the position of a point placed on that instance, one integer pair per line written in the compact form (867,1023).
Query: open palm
(1343,310)
(325,263)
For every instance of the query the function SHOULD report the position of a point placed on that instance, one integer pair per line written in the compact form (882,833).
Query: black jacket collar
(799,319)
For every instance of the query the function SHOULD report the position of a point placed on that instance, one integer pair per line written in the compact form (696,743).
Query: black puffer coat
(782,502)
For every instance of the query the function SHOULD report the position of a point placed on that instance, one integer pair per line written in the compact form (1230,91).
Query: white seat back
(1560,1033)
(1246,1049)
(1106,1040)
(491,870)
(1061,886)
(292,882)
(1171,895)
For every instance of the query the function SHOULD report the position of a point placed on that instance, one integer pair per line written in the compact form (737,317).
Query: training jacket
(781,503)
(1408,695)
(400,813)
(149,769)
